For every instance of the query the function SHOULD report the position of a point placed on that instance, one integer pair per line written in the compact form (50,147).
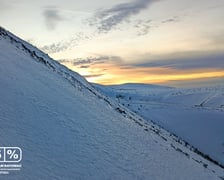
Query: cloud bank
(199,61)
(107,19)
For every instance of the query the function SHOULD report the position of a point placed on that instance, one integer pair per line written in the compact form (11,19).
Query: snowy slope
(67,130)
(196,115)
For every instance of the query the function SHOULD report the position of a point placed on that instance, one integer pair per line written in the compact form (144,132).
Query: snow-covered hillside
(196,115)
(67,130)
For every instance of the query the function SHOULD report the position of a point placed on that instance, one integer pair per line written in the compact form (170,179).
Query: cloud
(171,20)
(52,18)
(55,47)
(84,67)
(185,61)
(93,75)
(62,46)
(89,60)
(96,60)
(63,60)
(107,19)
(143,27)
(86,62)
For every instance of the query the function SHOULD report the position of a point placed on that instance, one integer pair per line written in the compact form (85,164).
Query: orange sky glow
(108,74)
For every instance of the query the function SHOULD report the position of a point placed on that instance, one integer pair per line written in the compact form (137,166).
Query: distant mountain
(68,130)
(138,85)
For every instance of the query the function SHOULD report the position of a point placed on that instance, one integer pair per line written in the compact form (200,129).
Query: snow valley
(68,130)
(194,114)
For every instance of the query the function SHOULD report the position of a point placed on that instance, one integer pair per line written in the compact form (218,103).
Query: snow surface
(196,114)
(67,130)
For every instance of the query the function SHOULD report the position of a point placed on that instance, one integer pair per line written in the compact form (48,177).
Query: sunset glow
(111,42)
(113,74)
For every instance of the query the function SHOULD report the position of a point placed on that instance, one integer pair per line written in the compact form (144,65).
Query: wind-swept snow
(67,130)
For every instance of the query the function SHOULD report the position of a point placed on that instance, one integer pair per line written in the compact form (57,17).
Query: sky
(170,42)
